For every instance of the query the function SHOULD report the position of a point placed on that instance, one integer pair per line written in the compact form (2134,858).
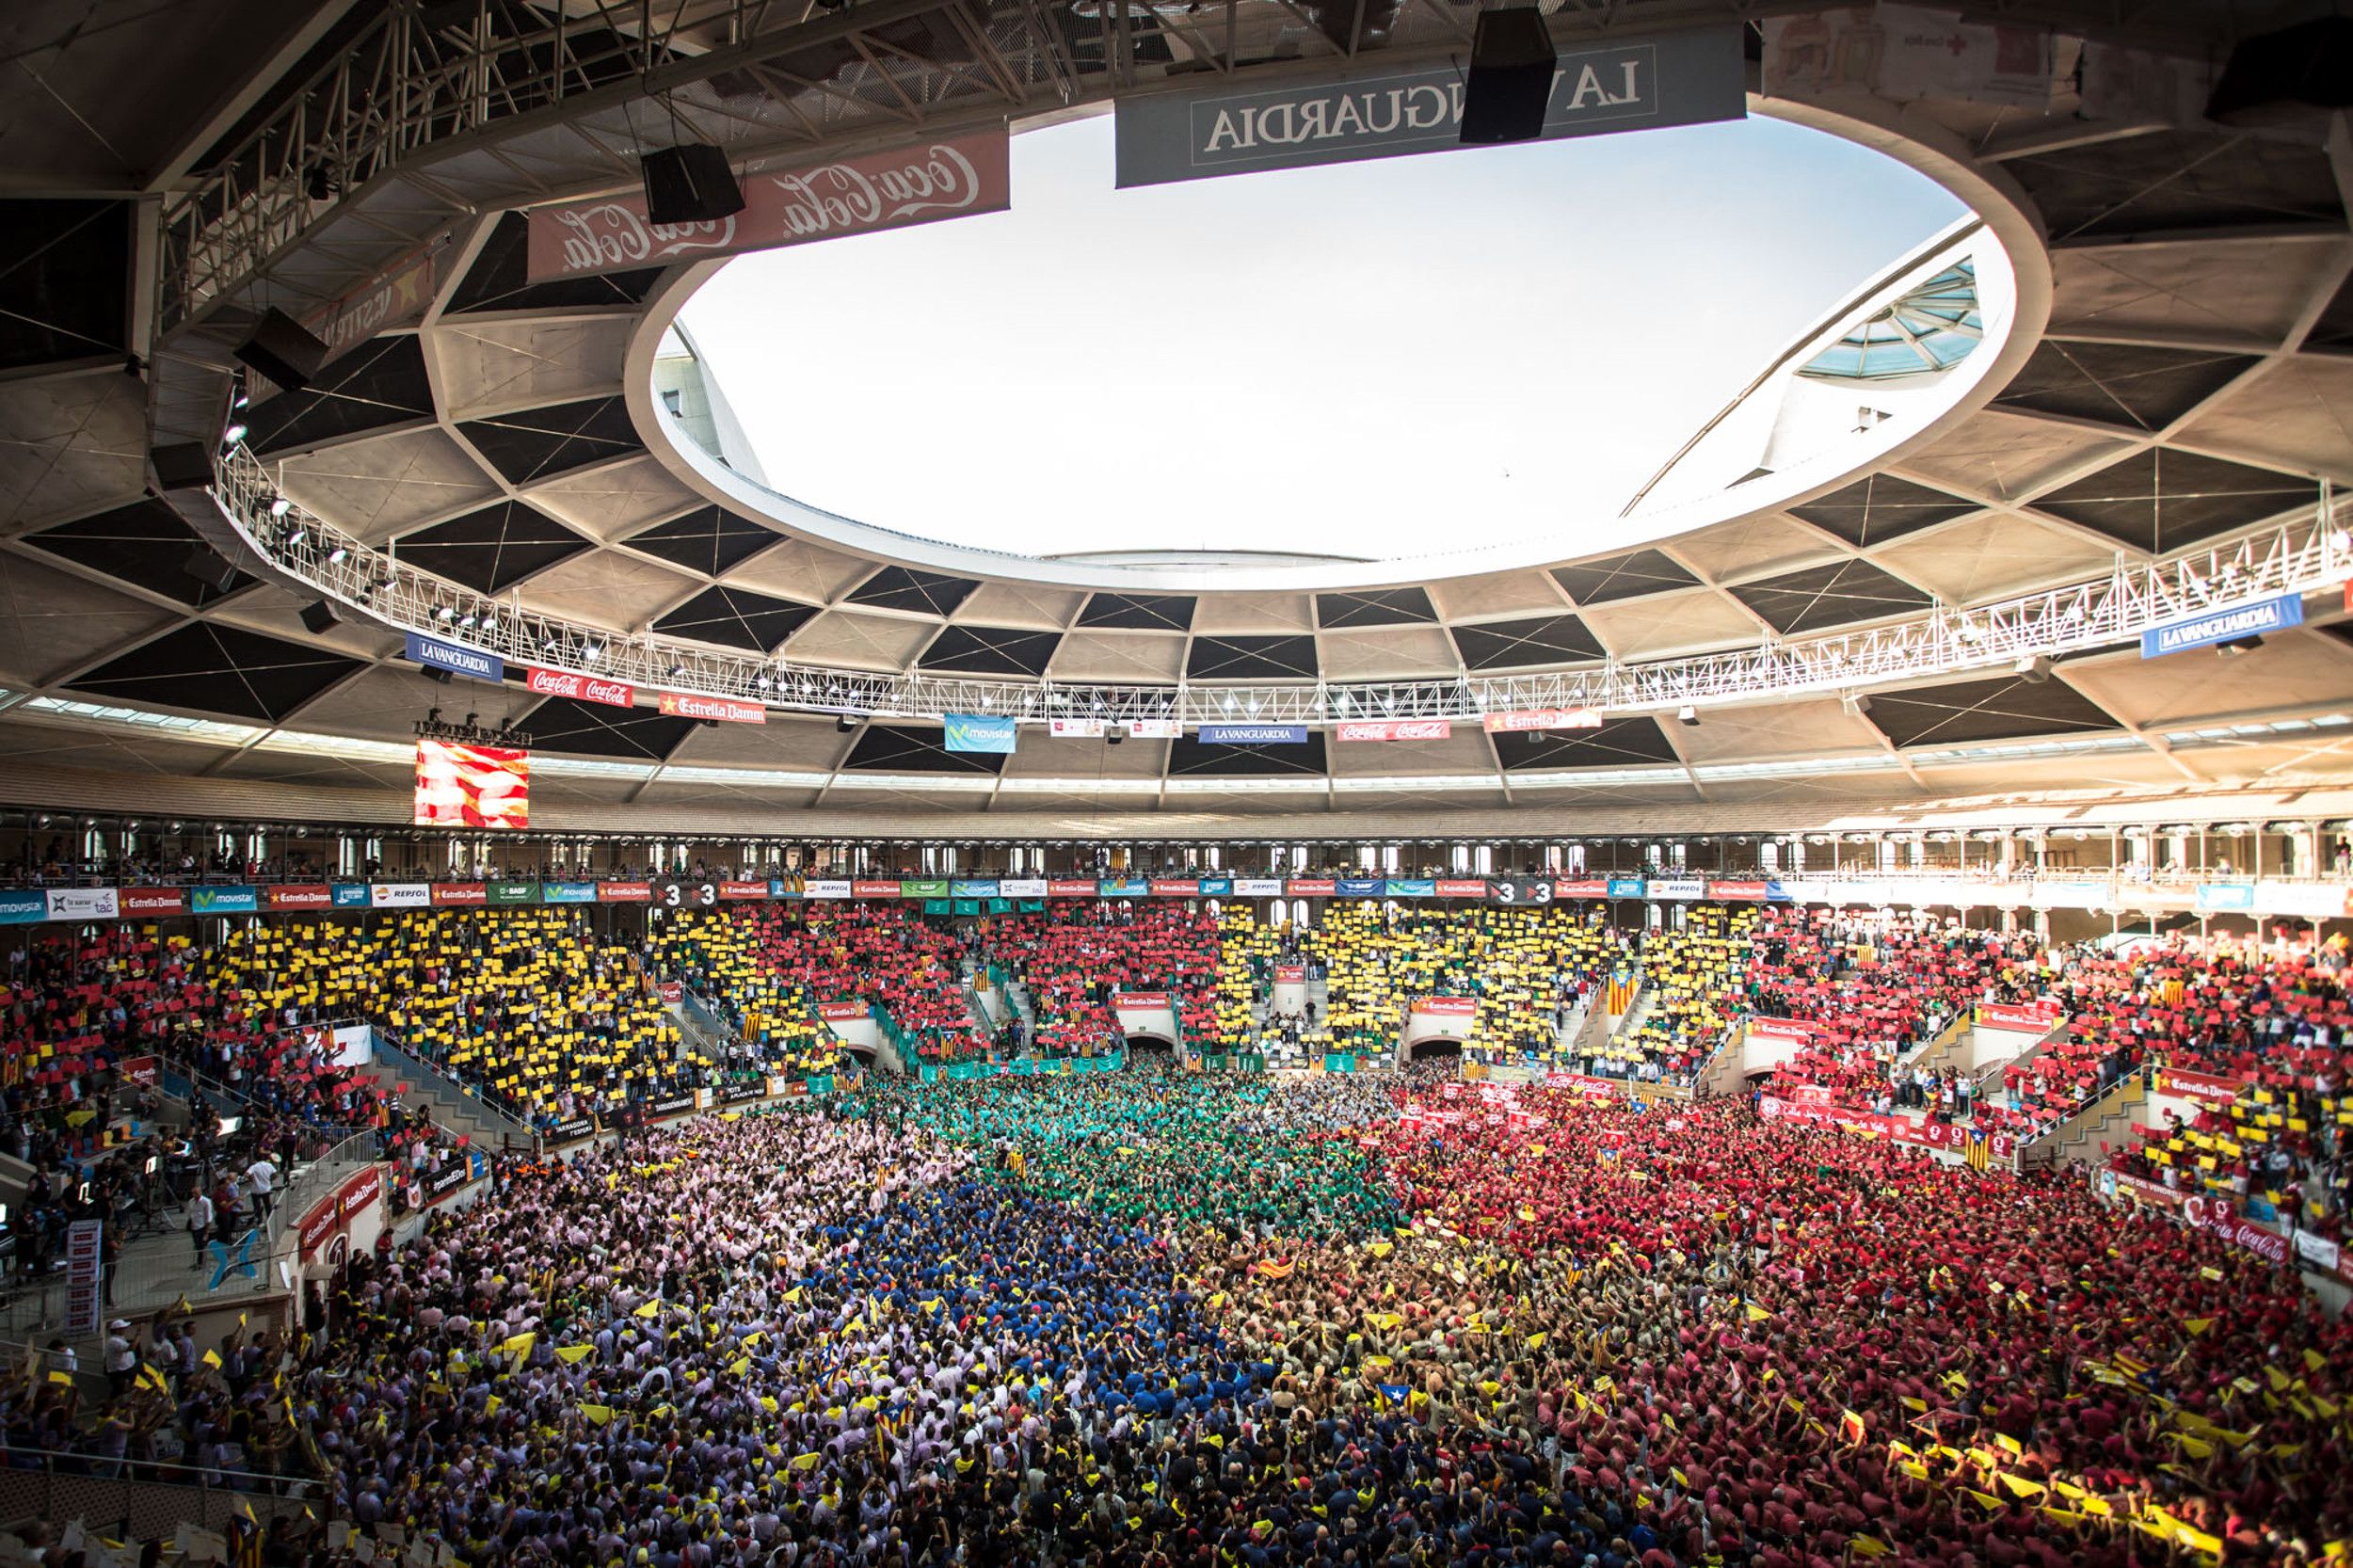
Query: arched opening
(1438,1053)
(1151,1051)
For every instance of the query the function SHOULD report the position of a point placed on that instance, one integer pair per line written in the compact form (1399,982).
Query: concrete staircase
(452,1107)
(2102,1123)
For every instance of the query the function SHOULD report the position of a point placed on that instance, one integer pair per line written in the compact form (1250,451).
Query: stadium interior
(579,996)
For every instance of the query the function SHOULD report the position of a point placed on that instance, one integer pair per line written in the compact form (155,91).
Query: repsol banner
(1625,84)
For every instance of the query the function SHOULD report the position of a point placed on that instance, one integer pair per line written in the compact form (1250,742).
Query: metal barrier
(146,1499)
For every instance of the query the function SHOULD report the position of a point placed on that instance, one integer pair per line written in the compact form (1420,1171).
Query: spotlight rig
(434,727)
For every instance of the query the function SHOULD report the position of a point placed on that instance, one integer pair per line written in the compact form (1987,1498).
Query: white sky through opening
(1371,360)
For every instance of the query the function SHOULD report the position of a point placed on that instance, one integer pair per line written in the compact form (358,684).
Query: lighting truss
(2303,554)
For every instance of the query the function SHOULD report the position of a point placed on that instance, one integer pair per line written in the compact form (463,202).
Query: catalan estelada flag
(1980,1150)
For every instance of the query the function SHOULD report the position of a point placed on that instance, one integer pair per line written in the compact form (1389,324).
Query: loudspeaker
(690,183)
(280,350)
(317,617)
(211,571)
(2287,77)
(182,466)
(1511,79)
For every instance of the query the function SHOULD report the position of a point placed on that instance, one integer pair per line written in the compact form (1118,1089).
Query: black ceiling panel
(496,279)
(2334,332)
(1138,612)
(1628,576)
(145,544)
(380,383)
(2133,387)
(930,593)
(1187,755)
(65,283)
(710,539)
(494,547)
(1838,594)
(736,617)
(2161,501)
(1250,658)
(895,748)
(2179,179)
(539,443)
(1376,607)
(593,729)
(1499,644)
(991,650)
(2006,708)
(1618,742)
(220,669)
(1881,507)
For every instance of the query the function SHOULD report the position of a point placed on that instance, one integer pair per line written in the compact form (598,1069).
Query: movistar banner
(567,893)
(1625,84)
(983,732)
(23,905)
(2276,613)
(224,900)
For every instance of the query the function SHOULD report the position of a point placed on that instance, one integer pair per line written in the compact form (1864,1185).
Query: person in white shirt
(199,1222)
(263,1176)
(123,1358)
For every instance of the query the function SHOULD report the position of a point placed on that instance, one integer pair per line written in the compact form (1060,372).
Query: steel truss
(2301,555)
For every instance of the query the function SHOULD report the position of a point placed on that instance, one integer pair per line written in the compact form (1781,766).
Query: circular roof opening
(1485,356)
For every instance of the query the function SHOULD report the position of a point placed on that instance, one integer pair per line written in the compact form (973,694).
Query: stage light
(845,721)
(337,556)
(1689,715)
(234,434)
(2035,669)
(280,506)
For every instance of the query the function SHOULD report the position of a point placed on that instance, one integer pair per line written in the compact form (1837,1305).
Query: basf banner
(853,196)
(469,786)
(1629,84)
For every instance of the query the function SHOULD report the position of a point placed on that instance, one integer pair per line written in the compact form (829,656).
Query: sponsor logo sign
(350,895)
(2199,1086)
(83,904)
(891,189)
(1254,734)
(1676,887)
(393,297)
(1257,886)
(1461,888)
(1290,974)
(874,887)
(1123,886)
(1312,887)
(139,1069)
(1140,1002)
(581,688)
(840,1010)
(399,895)
(2215,1214)
(1070,886)
(671,992)
(567,893)
(23,905)
(1022,887)
(571,1132)
(322,1222)
(1582,887)
(676,1105)
(2226,895)
(473,663)
(359,1192)
(460,894)
(1085,729)
(1394,730)
(1737,891)
(825,886)
(742,1094)
(1447,1007)
(301,896)
(2030,1018)
(1217,887)
(1156,729)
(725,710)
(1410,887)
(1629,85)
(933,887)
(2252,619)
(1360,886)
(1780,1029)
(2143,1190)
(441,1183)
(511,892)
(973,887)
(1627,887)
(624,892)
(1175,886)
(737,892)
(224,901)
(1514,891)
(990,734)
(155,901)
(1523,719)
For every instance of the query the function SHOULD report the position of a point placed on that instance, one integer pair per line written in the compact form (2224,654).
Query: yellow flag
(1757,1314)
(571,1354)
(490,1404)
(2020,1487)
(649,1310)
(1865,1545)
(2197,1325)
(1985,1500)
(810,1462)
(600,1414)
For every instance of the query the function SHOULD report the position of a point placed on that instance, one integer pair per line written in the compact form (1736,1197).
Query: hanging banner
(1524,719)
(2023,1018)
(1154,729)
(1903,52)
(876,887)
(1359,886)
(1519,891)
(1254,734)
(1627,887)
(1632,85)
(725,710)
(138,902)
(83,904)
(1312,887)
(2221,897)
(1394,730)
(2199,1086)
(354,895)
(1175,886)
(1070,886)
(400,895)
(742,892)
(988,734)
(435,654)
(2276,613)
(972,887)
(1461,888)
(1408,887)
(1021,886)
(1581,886)
(1677,888)
(825,888)
(581,688)
(460,895)
(1257,886)
(511,892)
(1447,1007)
(1085,729)
(853,196)
(567,893)
(927,887)
(23,905)
(288,895)
(1747,891)
(394,296)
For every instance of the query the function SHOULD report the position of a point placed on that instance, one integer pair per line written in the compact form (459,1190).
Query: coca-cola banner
(1395,729)
(872,191)
(581,688)
(2215,1214)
